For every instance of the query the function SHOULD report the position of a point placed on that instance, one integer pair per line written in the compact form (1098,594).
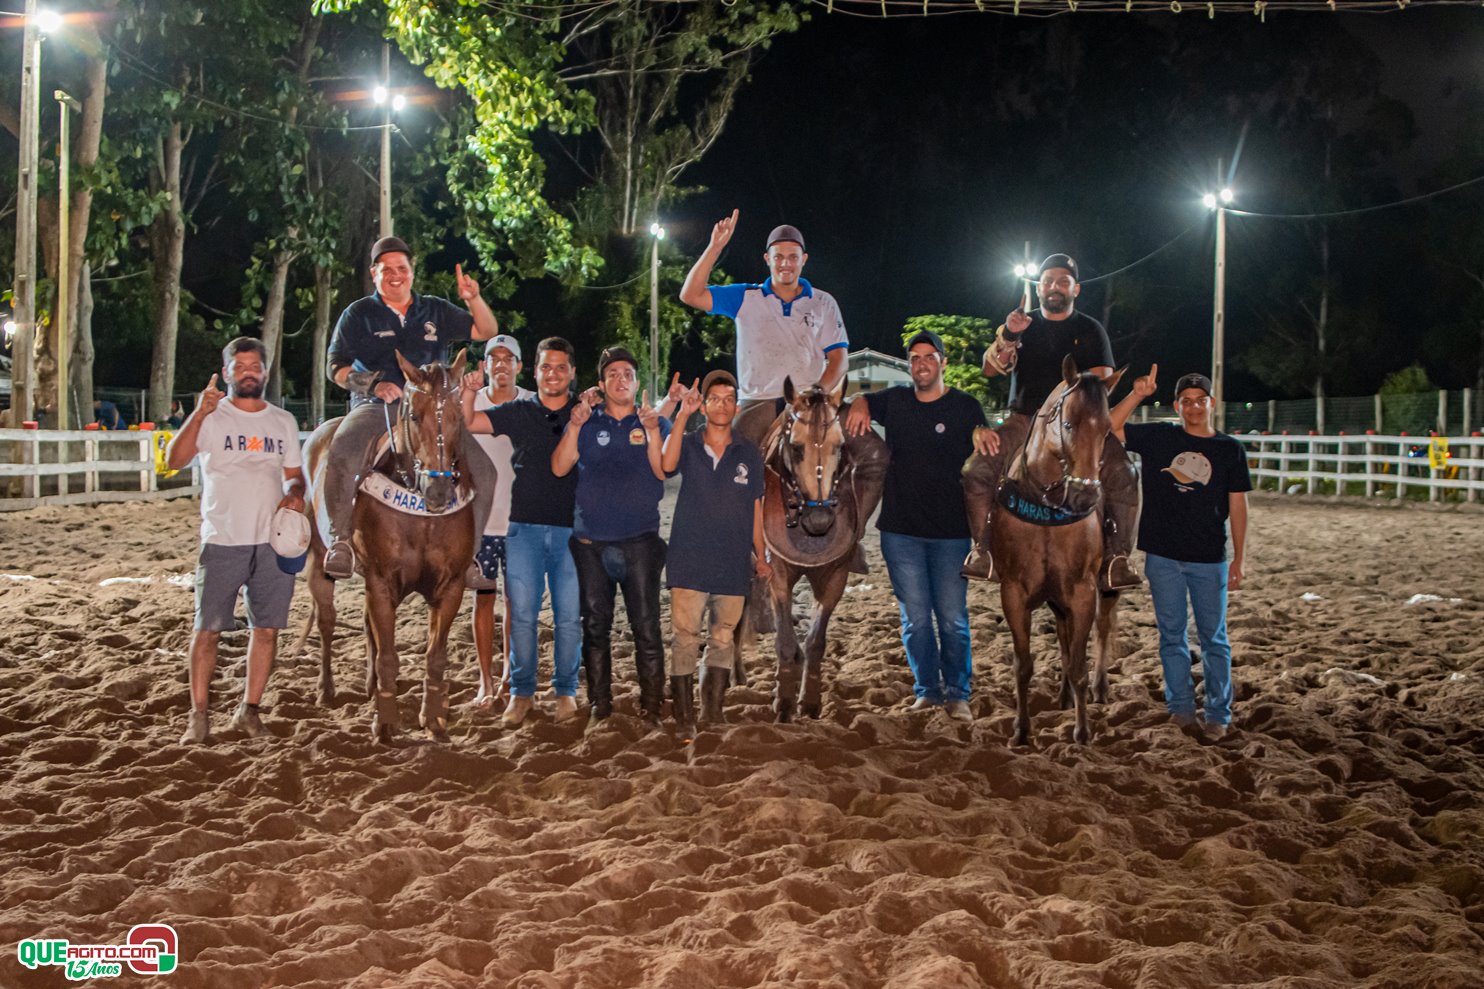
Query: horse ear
(837,394)
(1069,370)
(1111,381)
(461,361)
(788,389)
(411,373)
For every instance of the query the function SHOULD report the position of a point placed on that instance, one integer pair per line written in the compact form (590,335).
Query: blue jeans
(1171,582)
(925,578)
(536,557)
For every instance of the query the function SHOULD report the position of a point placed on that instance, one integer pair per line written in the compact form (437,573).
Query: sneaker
(566,709)
(1184,722)
(198,728)
(922,704)
(1118,574)
(475,580)
(340,560)
(958,711)
(245,719)
(516,711)
(1215,733)
(979,565)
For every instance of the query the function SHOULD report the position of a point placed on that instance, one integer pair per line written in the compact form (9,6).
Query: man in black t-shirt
(1195,480)
(930,430)
(1030,347)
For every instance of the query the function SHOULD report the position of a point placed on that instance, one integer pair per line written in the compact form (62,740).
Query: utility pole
(64,272)
(386,140)
(22,395)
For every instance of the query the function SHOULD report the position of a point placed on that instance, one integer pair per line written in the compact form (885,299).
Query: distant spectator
(177,415)
(107,415)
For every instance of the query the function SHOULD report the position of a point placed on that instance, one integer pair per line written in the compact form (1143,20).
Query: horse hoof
(812,710)
(438,735)
(327,697)
(1081,736)
(783,713)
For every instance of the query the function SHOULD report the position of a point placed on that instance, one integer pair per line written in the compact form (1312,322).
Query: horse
(1048,532)
(812,516)
(400,553)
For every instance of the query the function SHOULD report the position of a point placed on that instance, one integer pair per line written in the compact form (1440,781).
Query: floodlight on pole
(656,234)
(378,95)
(48,21)
(1219,202)
(399,103)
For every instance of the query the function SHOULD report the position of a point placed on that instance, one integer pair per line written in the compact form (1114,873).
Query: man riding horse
(1031,347)
(363,360)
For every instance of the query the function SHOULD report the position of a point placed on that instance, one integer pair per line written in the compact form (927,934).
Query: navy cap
(1062,261)
(615,355)
(1193,380)
(785,232)
(389,245)
(926,336)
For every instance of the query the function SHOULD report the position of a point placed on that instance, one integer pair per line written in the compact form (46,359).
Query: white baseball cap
(290,539)
(503,340)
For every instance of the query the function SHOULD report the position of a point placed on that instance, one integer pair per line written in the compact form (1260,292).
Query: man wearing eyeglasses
(537,559)
(1030,347)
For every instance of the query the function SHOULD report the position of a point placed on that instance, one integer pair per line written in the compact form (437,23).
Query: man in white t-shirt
(502,365)
(250,468)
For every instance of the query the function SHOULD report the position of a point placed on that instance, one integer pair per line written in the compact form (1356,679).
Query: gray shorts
(223,571)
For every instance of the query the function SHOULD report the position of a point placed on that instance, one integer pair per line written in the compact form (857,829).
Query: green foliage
(965,338)
(1408,381)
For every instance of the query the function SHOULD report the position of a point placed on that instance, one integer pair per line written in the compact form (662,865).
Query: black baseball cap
(1193,380)
(926,336)
(1062,261)
(615,355)
(786,232)
(389,245)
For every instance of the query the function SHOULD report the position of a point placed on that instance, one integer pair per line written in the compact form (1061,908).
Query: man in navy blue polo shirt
(616,449)
(363,360)
(716,545)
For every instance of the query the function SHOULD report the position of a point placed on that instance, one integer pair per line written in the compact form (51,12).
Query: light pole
(656,234)
(383,97)
(1027,273)
(1219,201)
(64,268)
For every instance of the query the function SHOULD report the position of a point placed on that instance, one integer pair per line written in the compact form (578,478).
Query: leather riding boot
(1120,518)
(870,457)
(683,705)
(651,689)
(713,694)
(598,665)
(979,564)
(340,560)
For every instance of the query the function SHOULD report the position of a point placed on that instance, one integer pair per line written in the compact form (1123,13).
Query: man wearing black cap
(616,449)
(1194,480)
(716,545)
(931,430)
(786,328)
(1030,347)
(363,360)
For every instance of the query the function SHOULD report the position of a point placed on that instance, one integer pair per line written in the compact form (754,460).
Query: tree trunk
(85,149)
(80,368)
(167,250)
(272,330)
(44,354)
(323,300)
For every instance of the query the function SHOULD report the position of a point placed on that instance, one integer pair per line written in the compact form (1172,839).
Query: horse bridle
(794,501)
(1068,479)
(408,417)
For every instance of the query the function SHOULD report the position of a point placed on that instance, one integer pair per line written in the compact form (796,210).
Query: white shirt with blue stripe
(777,339)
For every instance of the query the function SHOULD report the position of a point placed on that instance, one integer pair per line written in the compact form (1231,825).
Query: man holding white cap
(502,366)
(363,360)
(252,480)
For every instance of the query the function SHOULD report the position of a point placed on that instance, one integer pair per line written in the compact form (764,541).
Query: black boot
(683,705)
(1120,518)
(713,694)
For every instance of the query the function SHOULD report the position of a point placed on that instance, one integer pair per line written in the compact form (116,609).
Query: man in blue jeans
(1194,480)
(541,506)
(931,430)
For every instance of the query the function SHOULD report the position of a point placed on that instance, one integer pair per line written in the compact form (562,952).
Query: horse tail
(298,648)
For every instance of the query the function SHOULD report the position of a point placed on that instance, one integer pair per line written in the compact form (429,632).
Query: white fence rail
(83,467)
(1369,466)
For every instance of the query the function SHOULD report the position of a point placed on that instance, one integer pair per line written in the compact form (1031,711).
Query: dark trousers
(633,565)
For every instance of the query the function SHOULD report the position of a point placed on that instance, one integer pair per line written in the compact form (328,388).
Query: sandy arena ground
(1335,839)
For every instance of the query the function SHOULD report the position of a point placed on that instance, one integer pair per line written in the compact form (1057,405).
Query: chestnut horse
(1047,532)
(399,553)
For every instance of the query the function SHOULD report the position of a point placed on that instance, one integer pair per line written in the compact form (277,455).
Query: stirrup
(1118,574)
(979,565)
(344,560)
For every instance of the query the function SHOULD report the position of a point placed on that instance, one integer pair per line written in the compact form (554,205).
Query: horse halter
(1068,479)
(406,419)
(794,501)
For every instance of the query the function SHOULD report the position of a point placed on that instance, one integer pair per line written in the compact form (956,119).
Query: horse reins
(1067,479)
(794,501)
(407,417)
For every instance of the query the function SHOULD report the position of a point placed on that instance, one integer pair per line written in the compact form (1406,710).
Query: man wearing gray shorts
(250,468)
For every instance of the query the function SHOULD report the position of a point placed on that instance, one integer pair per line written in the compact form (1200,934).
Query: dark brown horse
(1047,533)
(812,504)
(399,553)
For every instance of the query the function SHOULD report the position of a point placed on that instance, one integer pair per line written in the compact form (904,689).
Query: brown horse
(1048,533)
(812,504)
(399,553)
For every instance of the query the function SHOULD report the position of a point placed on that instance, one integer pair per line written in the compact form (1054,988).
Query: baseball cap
(786,232)
(717,377)
(1062,261)
(503,340)
(389,245)
(615,355)
(290,539)
(926,336)
(1193,380)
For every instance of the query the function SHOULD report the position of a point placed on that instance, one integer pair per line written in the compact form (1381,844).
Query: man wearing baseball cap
(1030,347)
(716,546)
(786,329)
(363,360)
(931,430)
(615,444)
(1195,480)
(251,469)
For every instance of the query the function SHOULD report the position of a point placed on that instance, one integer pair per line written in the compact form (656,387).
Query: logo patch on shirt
(741,477)
(386,333)
(430,332)
(940,428)
(636,437)
(603,438)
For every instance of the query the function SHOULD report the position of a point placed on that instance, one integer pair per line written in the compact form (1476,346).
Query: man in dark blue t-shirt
(1195,480)
(616,542)
(363,360)
(716,545)
(931,430)
(1030,347)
